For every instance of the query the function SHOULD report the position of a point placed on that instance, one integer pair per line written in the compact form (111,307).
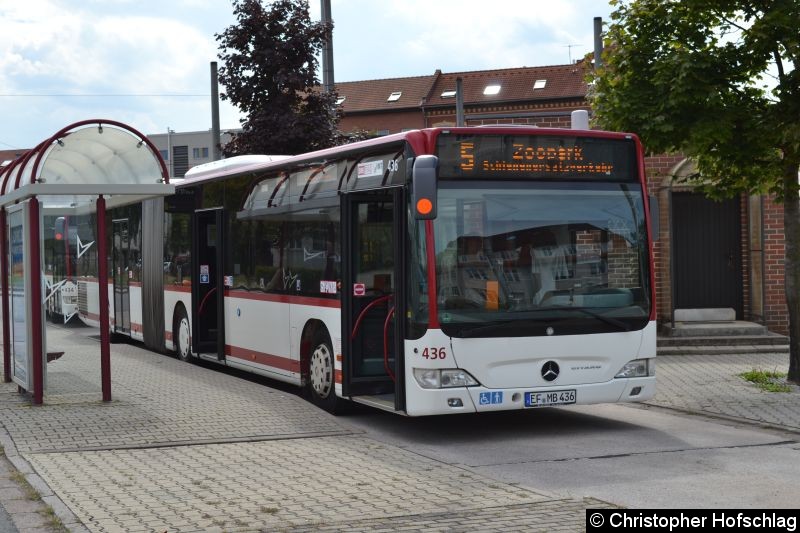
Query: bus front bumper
(424,402)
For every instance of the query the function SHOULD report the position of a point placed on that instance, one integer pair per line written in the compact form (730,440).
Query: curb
(61,510)
(727,418)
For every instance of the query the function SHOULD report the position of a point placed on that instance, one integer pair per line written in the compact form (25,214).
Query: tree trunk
(791,224)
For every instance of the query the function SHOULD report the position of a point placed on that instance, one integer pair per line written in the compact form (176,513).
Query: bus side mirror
(654,219)
(423,187)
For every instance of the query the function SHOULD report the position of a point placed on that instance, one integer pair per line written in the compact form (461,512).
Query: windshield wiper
(498,325)
(501,324)
(586,311)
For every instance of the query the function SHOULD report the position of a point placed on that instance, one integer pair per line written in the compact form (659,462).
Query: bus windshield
(527,258)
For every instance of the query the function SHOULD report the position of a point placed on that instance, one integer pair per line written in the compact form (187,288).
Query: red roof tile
(562,81)
(372,95)
(516,84)
(10,155)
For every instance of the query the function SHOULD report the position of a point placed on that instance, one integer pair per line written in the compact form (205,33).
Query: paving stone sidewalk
(710,384)
(184,448)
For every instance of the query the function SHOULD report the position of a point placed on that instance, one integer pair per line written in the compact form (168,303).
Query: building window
(164,154)
(381,133)
(491,90)
(449,94)
(200,153)
(395,96)
(340,100)
(539,84)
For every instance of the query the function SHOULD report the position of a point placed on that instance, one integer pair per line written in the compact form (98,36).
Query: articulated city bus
(446,270)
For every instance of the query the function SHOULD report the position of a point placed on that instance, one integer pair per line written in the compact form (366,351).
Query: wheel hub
(321,371)
(183,338)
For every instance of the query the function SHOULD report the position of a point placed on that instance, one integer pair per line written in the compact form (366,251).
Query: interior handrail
(386,344)
(203,302)
(364,312)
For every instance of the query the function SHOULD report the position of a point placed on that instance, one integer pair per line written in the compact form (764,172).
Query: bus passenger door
(208,324)
(371,301)
(121,275)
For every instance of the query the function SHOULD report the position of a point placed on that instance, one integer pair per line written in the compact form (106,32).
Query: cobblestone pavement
(264,485)
(157,400)
(549,516)
(183,448)
(710,384)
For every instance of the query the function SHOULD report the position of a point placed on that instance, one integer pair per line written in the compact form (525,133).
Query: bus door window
(373,286)
(208,335)
(207,271)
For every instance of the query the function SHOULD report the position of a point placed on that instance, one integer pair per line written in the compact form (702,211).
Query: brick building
(544,96)
(709,254)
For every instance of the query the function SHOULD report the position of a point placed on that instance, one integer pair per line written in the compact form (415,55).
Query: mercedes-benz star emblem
(550,371)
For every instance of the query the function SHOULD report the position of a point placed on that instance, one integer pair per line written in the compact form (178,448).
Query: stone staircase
(716,331)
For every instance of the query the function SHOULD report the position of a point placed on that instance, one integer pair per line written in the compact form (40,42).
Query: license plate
(546,399)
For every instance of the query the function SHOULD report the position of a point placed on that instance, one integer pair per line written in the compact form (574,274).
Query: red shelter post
(35,273)
(5,296)
(102,271)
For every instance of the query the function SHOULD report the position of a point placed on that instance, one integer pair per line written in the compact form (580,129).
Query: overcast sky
(146,62)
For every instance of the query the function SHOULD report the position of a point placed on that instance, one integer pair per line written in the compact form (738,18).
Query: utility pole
(327,49)
(598,42)
(215,141)
(460,102)
(169,152)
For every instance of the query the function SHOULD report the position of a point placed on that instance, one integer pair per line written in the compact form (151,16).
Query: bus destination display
(482,156)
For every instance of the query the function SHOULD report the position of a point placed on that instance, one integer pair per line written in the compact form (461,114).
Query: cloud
(163,47)
(48,48)
(415,37)
(507,34)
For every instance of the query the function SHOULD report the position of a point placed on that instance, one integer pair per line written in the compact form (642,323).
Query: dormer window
(448,94)
(491,90)
(395,96)
(539,84)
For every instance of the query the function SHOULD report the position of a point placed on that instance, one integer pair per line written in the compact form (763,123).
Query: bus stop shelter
(86,167)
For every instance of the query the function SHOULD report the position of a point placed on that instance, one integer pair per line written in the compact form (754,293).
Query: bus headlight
(638,368)
(429,378)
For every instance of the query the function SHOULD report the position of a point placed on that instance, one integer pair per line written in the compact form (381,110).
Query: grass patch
(30,493)
(53,521)
(766,380)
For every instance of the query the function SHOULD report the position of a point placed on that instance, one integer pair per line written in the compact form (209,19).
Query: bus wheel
(182,336)
(321,382)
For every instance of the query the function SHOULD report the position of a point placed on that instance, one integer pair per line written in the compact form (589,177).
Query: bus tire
(321,382)
(182,335)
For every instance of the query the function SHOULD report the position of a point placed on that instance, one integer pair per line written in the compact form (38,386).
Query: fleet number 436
(434,353)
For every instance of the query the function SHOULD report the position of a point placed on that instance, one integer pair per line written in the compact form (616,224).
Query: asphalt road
(632,456)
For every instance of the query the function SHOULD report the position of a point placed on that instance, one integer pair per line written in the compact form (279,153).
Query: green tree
(269,73)
(716,80)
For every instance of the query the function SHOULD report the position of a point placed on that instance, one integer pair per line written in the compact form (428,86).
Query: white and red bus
(445,270)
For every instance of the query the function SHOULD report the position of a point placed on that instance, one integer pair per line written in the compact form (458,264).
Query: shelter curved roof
(89,157)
